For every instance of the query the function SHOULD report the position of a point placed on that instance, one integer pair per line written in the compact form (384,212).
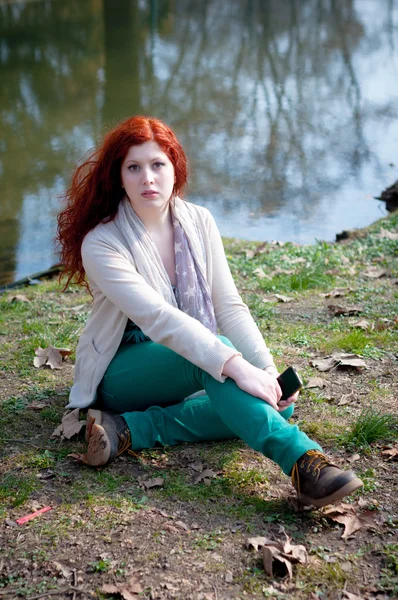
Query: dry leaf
(50,356)
(363,324)
(338,360)
(285,554)
(281,298)
(316,382)
(349,596)
(338,310)
(205,476)
(70,425)
(260,273)
(354,458)
(336,293)
(129,590)
(261,248)
(151,483)
(298,260)
(249,253)
(352,518)
(390,452)
(63,569)
(37,405)
(196,466)
(385,233)
(256,542)
(374,272)
(19,298)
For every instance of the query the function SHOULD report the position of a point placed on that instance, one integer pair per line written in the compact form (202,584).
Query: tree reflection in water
(274,99)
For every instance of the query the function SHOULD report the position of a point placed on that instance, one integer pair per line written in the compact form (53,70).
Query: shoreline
(339,237)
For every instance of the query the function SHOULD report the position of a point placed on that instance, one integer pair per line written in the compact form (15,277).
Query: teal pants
(146,383)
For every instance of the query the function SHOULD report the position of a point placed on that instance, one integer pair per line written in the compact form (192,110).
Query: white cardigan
(120,292)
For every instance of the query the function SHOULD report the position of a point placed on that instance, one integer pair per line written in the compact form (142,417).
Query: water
(287,108)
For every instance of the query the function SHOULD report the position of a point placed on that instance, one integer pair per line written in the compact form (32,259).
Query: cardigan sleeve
(118,280)
(232,314)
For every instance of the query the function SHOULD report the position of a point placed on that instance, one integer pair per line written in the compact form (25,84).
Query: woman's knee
(226,341)
(288,412)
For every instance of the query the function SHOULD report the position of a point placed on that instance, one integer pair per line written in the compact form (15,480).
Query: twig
(215,592)
(65,590)
(74,583)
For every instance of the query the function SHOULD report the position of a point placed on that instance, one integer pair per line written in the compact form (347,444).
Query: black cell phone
(290,382)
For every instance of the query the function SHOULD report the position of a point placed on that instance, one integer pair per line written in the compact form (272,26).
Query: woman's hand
(255,381)
(272,370)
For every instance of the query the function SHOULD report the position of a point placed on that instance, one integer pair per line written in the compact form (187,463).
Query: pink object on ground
(27,518)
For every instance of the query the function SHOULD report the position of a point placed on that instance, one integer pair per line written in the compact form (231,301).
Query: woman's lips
(149,194)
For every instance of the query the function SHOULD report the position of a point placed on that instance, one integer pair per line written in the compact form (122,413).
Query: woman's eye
(134,167)
(157,165)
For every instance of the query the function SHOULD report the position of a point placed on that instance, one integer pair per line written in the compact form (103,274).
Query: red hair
(96,188)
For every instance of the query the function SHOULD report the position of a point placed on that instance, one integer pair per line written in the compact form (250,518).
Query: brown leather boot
(319,482)
(107,436)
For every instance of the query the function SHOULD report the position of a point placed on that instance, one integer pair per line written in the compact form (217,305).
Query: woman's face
(148,176)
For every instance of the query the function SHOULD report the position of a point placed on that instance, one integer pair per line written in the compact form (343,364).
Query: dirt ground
(176,522)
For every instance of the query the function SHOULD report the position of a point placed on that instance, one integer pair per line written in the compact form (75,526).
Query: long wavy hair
(96,188)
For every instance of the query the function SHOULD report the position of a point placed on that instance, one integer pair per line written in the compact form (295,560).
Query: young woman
(162,290)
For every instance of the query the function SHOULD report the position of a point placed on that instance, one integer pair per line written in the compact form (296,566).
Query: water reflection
(286,108)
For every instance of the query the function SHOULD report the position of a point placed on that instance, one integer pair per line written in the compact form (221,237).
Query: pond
(287,109)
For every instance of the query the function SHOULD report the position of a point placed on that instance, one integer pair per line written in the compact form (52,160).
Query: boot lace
(124,442)
(311,460)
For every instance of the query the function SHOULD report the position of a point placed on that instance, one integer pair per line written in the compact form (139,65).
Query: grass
(371,426)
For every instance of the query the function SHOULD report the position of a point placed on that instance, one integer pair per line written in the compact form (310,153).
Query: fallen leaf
(249,253)
(10,523)
(205,476)
(352,518)
(37,405)
(260,274)
(385,233)
(229,577)
(390,452)
(338,310)
(324,364)
(196,466)
(261,248)
(296,261)
(50,356)
(281,298)
(63,569)
(256,542)
(349,596)
(151,483)
(19,298)
(70,425)
(336,293)
(338,360)
(363,324)
(374,272)
(283,554)
(316,382)
(354,458)
(129,590)
(345,260)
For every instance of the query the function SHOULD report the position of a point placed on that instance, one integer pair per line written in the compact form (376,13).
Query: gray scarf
(192,294)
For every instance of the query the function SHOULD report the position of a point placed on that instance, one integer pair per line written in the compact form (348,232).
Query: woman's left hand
(282,404)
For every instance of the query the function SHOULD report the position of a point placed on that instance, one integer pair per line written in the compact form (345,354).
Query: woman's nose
(147,176)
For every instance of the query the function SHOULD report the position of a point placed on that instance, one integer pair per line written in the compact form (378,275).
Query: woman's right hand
(254,381)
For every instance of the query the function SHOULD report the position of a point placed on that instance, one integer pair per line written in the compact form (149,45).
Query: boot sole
(99,447)
(347,489)
(93,416)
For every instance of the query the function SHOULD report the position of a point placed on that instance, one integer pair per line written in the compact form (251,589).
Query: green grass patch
(371,426)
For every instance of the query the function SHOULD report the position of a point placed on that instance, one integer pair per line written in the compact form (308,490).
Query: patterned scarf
(192,294)
(192,290)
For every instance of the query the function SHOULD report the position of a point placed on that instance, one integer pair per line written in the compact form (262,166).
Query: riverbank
(186,537)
